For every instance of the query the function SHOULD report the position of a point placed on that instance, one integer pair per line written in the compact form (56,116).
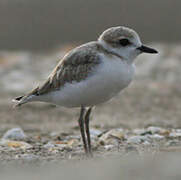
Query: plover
(91,74)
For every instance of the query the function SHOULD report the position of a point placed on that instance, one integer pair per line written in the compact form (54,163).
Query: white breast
(110,77)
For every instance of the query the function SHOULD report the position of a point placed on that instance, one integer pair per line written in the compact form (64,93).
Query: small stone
(15,144)
(111,135)
(175,134)
(72,142)
(131,148)
(154,129)
(146,143)
(156,137)
(109,147)
(95,132)
(53,150)
(66,144)
(15,134)
(54,134)
(178,130)
(62,146)
(137,139)
(165,132)
(28,157)
(138,131)
(49,145)
(59,145)
(174,142)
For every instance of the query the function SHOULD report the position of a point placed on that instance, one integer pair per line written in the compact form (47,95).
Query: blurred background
(44,24)
(146,117)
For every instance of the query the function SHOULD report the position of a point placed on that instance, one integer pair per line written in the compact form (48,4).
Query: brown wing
(75,66)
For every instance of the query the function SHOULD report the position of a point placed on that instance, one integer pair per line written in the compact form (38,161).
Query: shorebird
(91,74)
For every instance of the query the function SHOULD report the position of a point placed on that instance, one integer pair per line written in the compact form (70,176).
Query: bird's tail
(21,100)
(26,98)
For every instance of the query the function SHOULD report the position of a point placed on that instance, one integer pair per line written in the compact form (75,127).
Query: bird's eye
(124,42)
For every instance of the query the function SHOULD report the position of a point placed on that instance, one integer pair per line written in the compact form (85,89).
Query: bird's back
(73,67)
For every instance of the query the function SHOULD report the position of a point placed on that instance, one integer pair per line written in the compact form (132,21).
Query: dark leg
(87,130)
(81,125)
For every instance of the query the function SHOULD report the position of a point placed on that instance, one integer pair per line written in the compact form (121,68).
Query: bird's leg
(87,117)
(82,130)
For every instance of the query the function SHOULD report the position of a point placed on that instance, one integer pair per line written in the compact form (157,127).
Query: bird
(91,74)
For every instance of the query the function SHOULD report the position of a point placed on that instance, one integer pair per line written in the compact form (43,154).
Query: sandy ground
(153,99)
(162,167)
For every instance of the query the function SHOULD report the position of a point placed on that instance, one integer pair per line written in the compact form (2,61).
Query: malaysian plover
(91,74)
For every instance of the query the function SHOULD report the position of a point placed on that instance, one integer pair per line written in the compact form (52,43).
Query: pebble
(156,137)
(49,145)
(15,134)
(111,135)
(137,139)
(54,134)
(175,134)
(60,145)
(109,147)
(154,129)
(131,148)
(138,131)
(95,132)
(173,143)
(178,130)
(146,143)
(27,157)
(15,144)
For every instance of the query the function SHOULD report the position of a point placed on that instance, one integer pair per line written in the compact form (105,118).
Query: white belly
(108,80)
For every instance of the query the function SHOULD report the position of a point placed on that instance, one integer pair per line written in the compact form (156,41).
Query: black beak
(146,49)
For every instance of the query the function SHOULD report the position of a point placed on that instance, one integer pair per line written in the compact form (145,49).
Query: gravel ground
(144,119)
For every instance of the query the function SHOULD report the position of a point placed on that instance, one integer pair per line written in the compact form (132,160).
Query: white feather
(110,77)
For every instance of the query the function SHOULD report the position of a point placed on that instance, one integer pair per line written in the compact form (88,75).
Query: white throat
(126,54)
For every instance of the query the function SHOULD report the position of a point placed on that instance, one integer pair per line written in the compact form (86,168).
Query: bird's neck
(102,46)
(107,49)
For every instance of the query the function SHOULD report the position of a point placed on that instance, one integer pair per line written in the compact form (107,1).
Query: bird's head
(124,42)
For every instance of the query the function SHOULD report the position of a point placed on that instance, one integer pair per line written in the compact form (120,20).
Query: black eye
(124,42)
